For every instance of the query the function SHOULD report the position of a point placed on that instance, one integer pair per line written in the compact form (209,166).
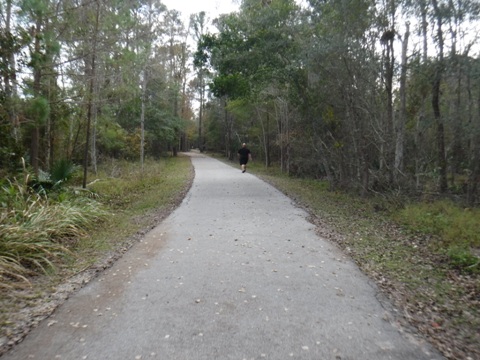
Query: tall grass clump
(35,230)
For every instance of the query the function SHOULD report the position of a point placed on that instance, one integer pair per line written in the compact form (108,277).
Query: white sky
(212,8)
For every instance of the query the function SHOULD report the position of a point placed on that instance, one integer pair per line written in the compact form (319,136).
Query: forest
(84,81)
(372,96)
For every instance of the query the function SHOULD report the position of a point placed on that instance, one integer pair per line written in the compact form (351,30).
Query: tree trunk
(389,58)
(10,76)
(37,77)
(440,131)
(182,139)
(458,154)
(200,112)
(94,127)
(267,142)
(228,122)
(474,177)
(424,31)
(50,132)
(418,137)
(401,120)
(283,134)
(90,95)
(142,119)
(265,138)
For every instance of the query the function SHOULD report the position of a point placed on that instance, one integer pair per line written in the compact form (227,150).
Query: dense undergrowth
(37,229)
(42,226)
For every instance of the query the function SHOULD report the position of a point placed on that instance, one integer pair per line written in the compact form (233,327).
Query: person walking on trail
(244,155)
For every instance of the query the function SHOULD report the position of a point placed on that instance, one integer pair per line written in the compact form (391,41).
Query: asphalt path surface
(235,272)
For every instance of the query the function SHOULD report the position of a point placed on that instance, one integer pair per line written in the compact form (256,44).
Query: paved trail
(236,272)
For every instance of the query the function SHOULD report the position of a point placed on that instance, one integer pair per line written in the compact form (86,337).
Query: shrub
(62,171)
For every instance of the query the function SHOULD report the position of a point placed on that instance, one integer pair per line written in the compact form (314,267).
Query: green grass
(452,224)
(456,230)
